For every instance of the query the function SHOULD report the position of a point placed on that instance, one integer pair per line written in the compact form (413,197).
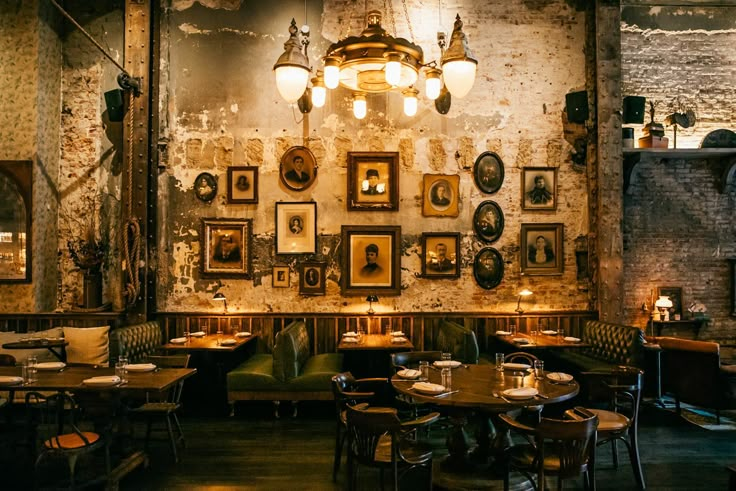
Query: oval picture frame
(488,268)
(488,172)
(292,177)
(488,221)
(205,187)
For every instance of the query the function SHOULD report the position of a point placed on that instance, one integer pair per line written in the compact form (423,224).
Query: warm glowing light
(360,107)
(410,101)
(319,92)
(393,69)
(332,72)
(433,83)
(291,81)
(459,77)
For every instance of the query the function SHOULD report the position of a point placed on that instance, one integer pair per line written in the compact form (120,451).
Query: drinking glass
(512,328)
(32,369)
(499,361)
(24,373)
(187,334)
(424,368)
(219,337)
(121,368)
(539,369)
(447,378)
(234,329)
(446,356)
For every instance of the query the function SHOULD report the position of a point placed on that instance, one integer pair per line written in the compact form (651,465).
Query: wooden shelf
(691,324)
(722,161)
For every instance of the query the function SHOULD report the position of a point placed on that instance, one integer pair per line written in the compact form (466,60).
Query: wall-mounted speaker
(576,104)
(115,105)
(634,109)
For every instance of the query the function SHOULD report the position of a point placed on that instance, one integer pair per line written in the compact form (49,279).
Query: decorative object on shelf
(685,119)
(522,294)
(375,62)
(373,181)
(697,309)
(370,299)
(653,133)
(488,172)
(440,195)
(721,138)
(371,257)
(312,278)
(298,168)
(280,276)
(663,304)
(205,187)
(674,293)
(226,247)
(539,188)
(488,268)
(242,185)
(488,221)
(541,249)
(296,228)
(440,255)
(220,297)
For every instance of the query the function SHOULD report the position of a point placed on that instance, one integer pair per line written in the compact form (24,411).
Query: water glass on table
(446,356)
(219,337)
(499,361)
(424,368)
(446,374)
(538,369)
(512,328)
(121,368)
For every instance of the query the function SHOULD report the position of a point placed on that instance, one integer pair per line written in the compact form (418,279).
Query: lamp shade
(663,302)
(433,83)
(360,108)
(371,298)
(458,63)
(410,101)
(292,68)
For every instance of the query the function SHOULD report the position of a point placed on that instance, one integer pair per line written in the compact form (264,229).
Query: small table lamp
(664,304)
(221,298)
(523,293)
(370,299)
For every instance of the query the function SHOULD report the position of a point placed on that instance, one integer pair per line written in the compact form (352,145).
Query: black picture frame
(365,194)
(281,276)
(488,221)
(296,227)
(242,185)
(535,197)
(675,294)
(205,187)
(293,177)
(226,248)
(488,172)
(440,262)
(542,258)
(488,268)
(312,278)
(358,278)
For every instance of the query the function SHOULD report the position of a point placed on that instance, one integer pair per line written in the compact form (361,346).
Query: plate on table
(409,374)
(349,339)
(521,340)
(516,366)
(178,340)
(428,388)
(243,334)
(350,333)
(102,381)
(447,363)
(571,339)
(549,332)
(228,342)
(10,380)
(398,334)
(520,393)
(503,333)
(50,365)
(397,339)
(560,377)
(140,367)
(198,334)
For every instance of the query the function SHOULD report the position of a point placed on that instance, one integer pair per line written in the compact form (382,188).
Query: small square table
(371,355)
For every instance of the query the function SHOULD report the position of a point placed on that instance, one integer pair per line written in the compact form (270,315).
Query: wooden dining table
(56,347)
(525,341)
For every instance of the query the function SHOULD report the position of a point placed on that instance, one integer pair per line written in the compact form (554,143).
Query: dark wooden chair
(520,357)
(619,421)
(562,448)
(378,438)
(7,361)
(165,407)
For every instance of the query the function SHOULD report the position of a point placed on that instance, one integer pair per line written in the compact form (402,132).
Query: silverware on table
(446,393)
(499,396)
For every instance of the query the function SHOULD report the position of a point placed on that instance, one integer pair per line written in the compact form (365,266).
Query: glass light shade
(459,77)
(525,292)
(332,72)
(663,303)
(393,69)
(433,84)
(291,81)
(410,102)
(360,107)
(319,95)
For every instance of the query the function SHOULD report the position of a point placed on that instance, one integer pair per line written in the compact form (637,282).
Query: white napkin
(549,332)
(349,339)
(178,340)
(198,334)
(428,387)
(521,393)
(50,365)
(503,333)
(571,339)
(399,334)
(397,339)
(515,366)
(447,363)
(409,373)
(10,380)
(350,333)
(521,340)
(559,377)
(102,380)
(140,367)
(243,334)
(227,342)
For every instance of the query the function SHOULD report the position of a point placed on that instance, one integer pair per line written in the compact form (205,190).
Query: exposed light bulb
(360,108)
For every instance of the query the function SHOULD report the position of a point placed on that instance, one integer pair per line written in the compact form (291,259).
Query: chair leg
(72,461)
(633,448)
(614,454)
(276,409)
(339,442)
(149,423)
(170,429)
(351,470)
(178,428)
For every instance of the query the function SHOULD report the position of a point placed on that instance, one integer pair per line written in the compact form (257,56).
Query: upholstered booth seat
(458,340)
(135,341)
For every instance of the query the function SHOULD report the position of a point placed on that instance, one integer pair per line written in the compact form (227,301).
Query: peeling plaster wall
(222,108)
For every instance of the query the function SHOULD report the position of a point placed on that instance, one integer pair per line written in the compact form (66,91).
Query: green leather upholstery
(254,374)
(611,345)
(135,341)
(458,340)
(317,373)
(290,351)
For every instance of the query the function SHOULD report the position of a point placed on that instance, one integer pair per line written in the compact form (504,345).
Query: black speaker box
(577,106)
(114,103)
(634,109)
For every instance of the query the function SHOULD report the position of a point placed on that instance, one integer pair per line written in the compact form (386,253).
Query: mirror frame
(21,173)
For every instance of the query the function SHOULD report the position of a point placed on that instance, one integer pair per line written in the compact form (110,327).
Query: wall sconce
(523,293)
(219,297)
(370,299)
(663,304)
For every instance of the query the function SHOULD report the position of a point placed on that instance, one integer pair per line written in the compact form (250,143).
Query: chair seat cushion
(317,373)
(610,421)
(71,441)
(585,363)
(256,373)
(728,370)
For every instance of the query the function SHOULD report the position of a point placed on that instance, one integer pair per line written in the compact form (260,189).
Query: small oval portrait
(488,172)
(488,268)
(205,186)
(488,221)
(298,168)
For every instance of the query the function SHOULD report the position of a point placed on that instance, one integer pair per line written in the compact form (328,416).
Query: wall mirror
(16,192)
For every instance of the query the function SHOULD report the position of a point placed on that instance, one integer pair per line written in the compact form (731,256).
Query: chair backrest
(691,370)
(572,439)
(290,351)
(171,361)
(458,340)
(135,341)
(520,356)
(7,360)
(55,417)
(614,343)
(367,426)
(411,359)
(620,387)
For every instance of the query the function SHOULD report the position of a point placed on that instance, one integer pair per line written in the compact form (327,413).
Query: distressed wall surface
(223,109)
(678,230)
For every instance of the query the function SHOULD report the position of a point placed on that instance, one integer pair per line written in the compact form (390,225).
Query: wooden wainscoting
(41,321)
(325,329)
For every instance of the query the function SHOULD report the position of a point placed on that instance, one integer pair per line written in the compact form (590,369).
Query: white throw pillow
(88,345)
(20,355)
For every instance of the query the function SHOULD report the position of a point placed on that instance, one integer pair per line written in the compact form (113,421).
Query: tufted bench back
(135,341)
(614,343)
(458,340)
(290,351)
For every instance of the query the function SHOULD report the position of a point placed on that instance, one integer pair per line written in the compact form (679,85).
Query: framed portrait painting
(440,255)
(296,228)
(488,268)
(280,276)
(226,247)
(488,172)
(312,278)
(541,248)
(440,195)
(488,221)
(675,294)
(205,187)
(539,188)
(371,260)
(242,185)
(298,168)
(373,181)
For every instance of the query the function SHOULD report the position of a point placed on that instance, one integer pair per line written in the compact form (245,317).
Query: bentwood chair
(619,421)
(167,406)
(521,357)
(349,391)
(378,438)
(57,427)
(562,448)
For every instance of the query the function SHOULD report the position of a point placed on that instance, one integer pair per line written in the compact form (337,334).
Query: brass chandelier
(376,62)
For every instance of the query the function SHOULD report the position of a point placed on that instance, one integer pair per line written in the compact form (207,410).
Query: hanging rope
(132,239)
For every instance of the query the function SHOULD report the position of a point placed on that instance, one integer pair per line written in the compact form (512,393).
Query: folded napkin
(409,373)
(559,377)
(503,333)
(10,380)
(198,334)
(178,340)
(571,339)
(428,387)
(243,334)
(447,363)
(349,339)
(50,365)
(521,340)
(549,332)
(350,333)
(227,342)
(102,380)
(140,367)
(515,366)
(399,334)
(397,339)
(521,393)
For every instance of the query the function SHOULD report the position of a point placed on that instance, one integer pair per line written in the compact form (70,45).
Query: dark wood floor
(255,451)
